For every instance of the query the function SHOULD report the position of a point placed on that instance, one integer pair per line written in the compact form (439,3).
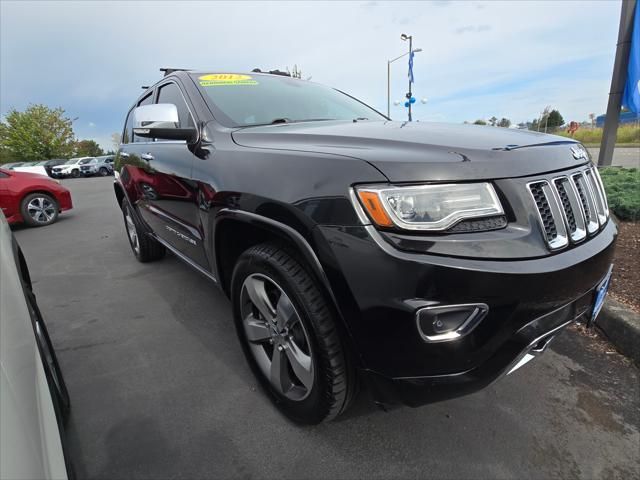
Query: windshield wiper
(287,120)
(280,120)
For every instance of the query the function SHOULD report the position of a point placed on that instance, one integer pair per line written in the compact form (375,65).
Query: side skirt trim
(184,258)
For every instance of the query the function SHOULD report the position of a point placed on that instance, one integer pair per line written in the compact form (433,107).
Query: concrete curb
(621,325)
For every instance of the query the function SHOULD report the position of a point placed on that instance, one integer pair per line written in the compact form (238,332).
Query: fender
(123,196)
(281,230)
(303,247)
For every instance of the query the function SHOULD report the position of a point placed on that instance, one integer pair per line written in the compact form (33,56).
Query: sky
(479,58)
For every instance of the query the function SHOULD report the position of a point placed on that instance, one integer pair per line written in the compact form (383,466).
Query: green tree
(88,148)
(479,122)
(38,133)
(555,119)
(504,122)
(493,121)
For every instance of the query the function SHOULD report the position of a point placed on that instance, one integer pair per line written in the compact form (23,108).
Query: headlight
(429,207)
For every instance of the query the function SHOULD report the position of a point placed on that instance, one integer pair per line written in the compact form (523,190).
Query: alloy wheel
(41,209)
(277,337)
(131,231)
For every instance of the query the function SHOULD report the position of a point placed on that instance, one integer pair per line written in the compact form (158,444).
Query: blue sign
(631,96)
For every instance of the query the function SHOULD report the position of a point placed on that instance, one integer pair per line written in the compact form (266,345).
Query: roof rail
(169,71)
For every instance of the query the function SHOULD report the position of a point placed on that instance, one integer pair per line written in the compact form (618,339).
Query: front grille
(544,210)
(560,184)
(570,208)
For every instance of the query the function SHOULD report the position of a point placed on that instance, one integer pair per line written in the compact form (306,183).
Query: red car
(32,198)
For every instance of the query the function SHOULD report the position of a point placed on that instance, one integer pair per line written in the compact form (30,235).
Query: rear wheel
(290,336)
(145,248)
(39,209)
(103,172)
(75,173)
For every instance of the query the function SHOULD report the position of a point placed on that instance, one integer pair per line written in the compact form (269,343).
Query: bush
(623,191)
(626,134)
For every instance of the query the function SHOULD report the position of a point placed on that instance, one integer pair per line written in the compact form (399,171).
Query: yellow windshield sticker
(219,79)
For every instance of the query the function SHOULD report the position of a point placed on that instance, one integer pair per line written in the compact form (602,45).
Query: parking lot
(160,389)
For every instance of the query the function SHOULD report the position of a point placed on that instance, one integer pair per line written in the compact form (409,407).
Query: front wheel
(39,209)
(290,336)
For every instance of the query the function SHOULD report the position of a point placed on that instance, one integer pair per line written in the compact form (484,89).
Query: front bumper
(380,289)
(64,200)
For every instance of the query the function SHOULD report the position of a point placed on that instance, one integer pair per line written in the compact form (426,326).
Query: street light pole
(405,37)
(410,45)
(389,62)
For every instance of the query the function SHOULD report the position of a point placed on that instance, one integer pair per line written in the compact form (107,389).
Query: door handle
(146,156)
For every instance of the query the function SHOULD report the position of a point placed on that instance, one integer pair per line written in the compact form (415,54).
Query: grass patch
(626,134)
(623,191)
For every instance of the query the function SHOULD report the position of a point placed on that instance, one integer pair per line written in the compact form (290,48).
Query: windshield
(245,100)
(72,161)
(87,161)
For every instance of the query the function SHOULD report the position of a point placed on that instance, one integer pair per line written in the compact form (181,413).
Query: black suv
(422,261)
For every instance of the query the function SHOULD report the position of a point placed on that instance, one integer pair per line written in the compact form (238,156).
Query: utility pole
(618,80)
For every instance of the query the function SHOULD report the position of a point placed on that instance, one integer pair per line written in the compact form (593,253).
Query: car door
(167,194)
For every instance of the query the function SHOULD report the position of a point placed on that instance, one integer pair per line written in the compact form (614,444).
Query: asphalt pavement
(160,389)
(628,157)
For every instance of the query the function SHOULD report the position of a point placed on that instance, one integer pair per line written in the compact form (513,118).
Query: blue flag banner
(631,96)
(411,67)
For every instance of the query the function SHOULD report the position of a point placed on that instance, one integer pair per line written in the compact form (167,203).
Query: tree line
(42,133)
(548,121)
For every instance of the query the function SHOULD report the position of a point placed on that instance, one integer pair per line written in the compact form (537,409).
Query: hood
(418,151)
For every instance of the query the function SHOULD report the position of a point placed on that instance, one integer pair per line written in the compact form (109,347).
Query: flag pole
(618,81)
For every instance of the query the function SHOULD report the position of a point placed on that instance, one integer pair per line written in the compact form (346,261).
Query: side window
(128,128)
(148,100)
(170,93)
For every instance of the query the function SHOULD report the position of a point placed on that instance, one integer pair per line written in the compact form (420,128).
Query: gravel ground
(160,388)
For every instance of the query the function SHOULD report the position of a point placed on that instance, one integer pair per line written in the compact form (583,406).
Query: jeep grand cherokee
(420,260)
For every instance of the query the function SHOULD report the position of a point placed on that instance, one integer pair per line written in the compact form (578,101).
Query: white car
(32,167)
(33,398)
(71,168)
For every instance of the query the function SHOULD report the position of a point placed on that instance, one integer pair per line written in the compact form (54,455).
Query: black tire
(75,173)
(103,172)
(147,248)
(334,382)
(39,209)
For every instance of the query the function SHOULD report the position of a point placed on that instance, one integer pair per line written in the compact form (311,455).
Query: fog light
(444,323)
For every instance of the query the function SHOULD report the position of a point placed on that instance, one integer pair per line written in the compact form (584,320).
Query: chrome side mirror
(161,121)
